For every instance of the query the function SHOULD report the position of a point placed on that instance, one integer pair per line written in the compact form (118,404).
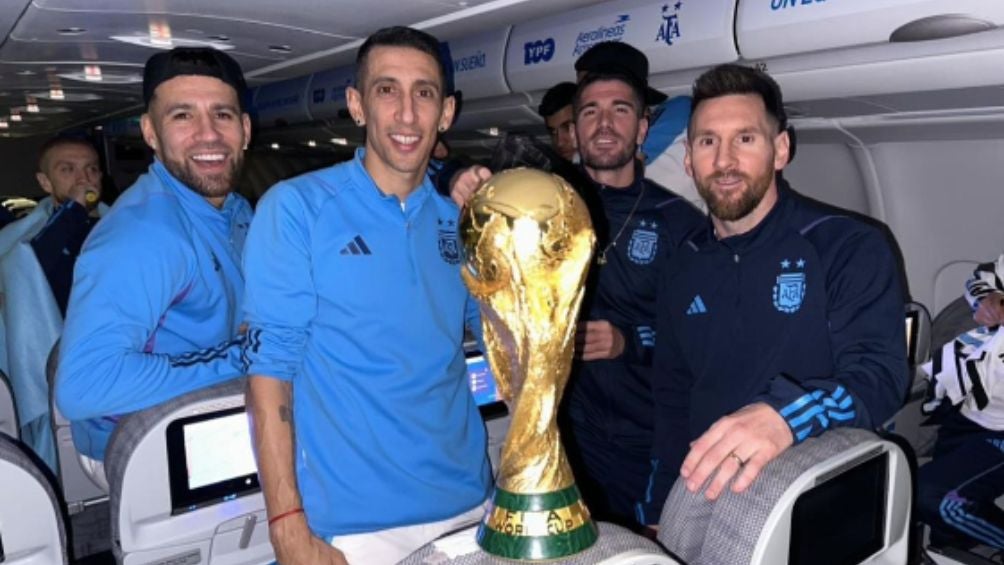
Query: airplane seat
(79,487)
(184,484)
(843,497)
(908,420)
(32,530)
(954,319)
(8,410)
(615,546)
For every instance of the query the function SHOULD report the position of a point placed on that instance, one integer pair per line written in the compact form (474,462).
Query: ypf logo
(538,51)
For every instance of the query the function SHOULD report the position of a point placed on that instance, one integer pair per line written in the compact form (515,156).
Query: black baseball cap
(200,61)
(619,58)
(556,98)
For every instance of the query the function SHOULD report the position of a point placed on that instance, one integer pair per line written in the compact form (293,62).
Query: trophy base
(536,527)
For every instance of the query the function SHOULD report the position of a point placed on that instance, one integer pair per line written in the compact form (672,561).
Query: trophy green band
(528,241)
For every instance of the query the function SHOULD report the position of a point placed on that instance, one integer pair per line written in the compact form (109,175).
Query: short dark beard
(612,163)
(217,186)
(732,210)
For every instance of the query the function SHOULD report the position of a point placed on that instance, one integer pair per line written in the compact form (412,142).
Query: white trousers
(95,471)
(387,547)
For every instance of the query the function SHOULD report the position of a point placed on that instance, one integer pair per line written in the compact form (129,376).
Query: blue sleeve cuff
(810,412)
(273,352)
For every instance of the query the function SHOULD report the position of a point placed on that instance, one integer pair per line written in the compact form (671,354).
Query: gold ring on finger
(738,459)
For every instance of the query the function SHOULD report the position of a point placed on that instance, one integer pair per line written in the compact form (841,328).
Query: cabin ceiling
(50,44)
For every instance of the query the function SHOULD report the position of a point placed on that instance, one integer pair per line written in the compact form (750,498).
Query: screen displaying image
(482,382)
(218,450)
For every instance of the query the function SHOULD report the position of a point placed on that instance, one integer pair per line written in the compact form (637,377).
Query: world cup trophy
(527,241)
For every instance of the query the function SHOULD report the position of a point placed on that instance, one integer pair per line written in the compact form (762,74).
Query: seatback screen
(842,521)
(210,459)
(483,387)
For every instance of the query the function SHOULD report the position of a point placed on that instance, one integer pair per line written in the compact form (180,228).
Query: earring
(359,122)
(442,129)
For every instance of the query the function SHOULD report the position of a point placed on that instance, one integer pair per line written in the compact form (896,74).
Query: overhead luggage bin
(281,103)
(772,28)
(674,35)
(825,50)
(478,64)
(326,92)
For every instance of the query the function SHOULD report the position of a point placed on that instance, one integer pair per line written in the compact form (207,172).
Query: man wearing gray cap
(157,291)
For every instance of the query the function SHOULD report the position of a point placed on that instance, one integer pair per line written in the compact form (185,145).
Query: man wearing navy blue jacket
(70,171)
(782,319)
(609,401)
(355,351)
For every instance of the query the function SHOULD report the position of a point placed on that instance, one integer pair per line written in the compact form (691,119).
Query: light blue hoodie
(356,298)
(155,306)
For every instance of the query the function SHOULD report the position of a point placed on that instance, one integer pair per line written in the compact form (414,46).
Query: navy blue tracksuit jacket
(804,313)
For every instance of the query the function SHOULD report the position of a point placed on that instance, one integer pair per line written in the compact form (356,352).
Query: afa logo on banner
(538,51)
(669,31)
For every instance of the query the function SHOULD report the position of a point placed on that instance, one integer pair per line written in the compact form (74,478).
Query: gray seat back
(754,527)
(615,546)
(144,527)
(32,531)
(952,320)
(78,489)
(8,410)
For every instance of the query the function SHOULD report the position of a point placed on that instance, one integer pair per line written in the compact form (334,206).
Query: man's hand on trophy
(466,181)
(741,443)
(598,339)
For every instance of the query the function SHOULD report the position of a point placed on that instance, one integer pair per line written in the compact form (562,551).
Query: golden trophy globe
(527,243)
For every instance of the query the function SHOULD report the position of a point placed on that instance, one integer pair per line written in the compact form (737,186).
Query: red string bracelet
(285,514)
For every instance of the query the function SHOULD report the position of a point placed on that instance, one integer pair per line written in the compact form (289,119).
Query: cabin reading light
(15,117)
(339,141)
(4,124)
(32,108)
(92,73)
(311,143)
(274,146)
(160,33)
(57,94)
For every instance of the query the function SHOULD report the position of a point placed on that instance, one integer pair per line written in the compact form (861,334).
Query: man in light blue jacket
(155,306)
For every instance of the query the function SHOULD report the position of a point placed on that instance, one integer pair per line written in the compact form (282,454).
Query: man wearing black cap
(556,109)
(608,414)
(665,145)
(609,403)
(155,305)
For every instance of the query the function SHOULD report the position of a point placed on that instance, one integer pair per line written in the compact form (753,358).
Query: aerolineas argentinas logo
(613,32)
(538,51)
